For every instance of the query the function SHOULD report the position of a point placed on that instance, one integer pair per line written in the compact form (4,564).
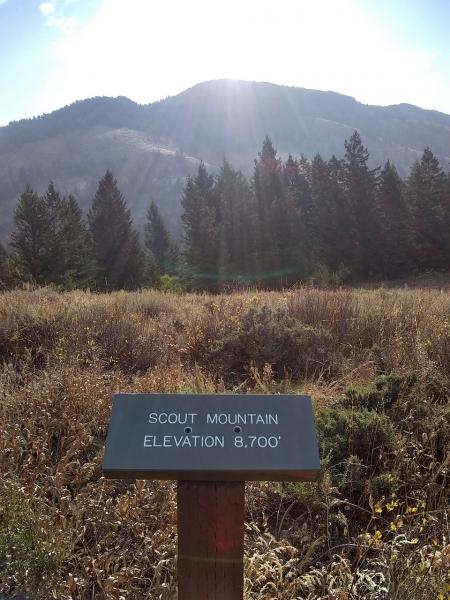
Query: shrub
(111,338)
(324,277)
(265,336)
(170,284)
(30,337)
(28,553)
(337,312)
(357,445)
(382,395)
(415,406)
(419,411)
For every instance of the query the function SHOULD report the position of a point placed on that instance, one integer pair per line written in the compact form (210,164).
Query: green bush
(27,552)
(170,284)
(264,336)
(357,445)
(325,278)
(417,407)
(382,395)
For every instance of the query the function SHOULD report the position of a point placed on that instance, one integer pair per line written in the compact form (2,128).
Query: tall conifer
(359,186)
(4,271)
(31,238)
(300,223)
(159,242)
(119,260)
(78,267)
(234,227)
(71,263)
(330,240)
(394,224)
(427,199)
(275,227)
(199,217)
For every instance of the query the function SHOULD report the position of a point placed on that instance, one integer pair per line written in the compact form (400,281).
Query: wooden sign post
(210,540)
(211,444)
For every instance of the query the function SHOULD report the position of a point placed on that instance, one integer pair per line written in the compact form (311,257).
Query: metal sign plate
(211,437)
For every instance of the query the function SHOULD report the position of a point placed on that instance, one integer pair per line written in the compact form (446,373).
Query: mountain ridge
(123,98)
(151,148)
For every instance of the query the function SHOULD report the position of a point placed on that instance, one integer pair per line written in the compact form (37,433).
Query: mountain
(152,148)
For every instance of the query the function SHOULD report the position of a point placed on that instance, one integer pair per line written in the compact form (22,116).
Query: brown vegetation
(377,364)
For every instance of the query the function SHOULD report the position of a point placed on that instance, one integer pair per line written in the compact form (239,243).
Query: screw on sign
(211,445)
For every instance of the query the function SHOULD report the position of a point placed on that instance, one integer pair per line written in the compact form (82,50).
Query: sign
(211,437)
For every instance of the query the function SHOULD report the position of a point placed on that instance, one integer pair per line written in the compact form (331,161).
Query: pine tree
(330,240)
(427,198)
(118,256)
(394,224)
(236,242)
(266,186)
(199,218)
(31,238)
(71,264)
(300,218)
(159,242)
(359,186)
(446,216)
(275,220)
(4,271)
(77,267)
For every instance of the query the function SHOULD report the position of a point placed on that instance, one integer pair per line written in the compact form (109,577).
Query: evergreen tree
(4,270)
(234,230)
(330,242)
(359,187)
(32,238)
(394,224)
(71,264)
(199,217)
(427,198)
(77,268)
(446,214)
(152,274)
(267,184)
(300,218)
(118,256)
(275,225)
(159,242)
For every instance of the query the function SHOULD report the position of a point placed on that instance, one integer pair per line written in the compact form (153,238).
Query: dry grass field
(377,364)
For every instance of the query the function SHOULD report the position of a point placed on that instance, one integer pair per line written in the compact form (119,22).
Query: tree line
(52,243)
(303,218)
(292,220)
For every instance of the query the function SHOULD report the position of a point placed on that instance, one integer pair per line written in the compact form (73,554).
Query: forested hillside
(152,148)
(331,221)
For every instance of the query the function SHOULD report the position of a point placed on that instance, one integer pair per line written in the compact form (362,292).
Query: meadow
(377,365)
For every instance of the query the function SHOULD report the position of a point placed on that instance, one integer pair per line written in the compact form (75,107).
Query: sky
(379,51)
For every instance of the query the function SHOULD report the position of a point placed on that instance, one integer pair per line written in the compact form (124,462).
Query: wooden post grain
(210,540)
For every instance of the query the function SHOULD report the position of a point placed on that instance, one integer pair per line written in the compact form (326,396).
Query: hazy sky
(379,51)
